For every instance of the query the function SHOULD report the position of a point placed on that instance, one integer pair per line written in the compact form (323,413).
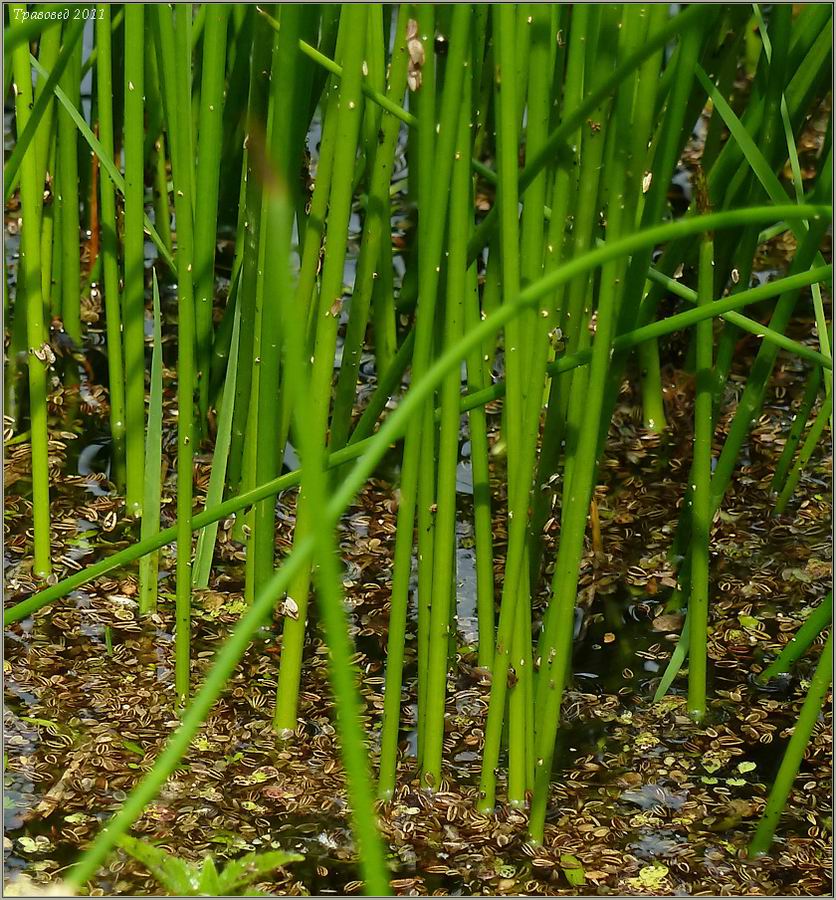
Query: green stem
(110,250)
(331,601)
(353,20)
(29,291)
(799,423)
(206,202)
(815,623)
(375,230)
(175,47)
(508,99)
(810,443)
(794,754)
(148,565)
(421,439)
(133,295)
(433,203)
(68,177)
(215,491)
(701,479)
(444,563)
(247,250)
(477,378)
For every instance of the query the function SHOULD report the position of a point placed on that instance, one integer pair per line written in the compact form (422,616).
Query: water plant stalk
(68,180)
(149,565)
(133,293)
(110,250)
(31,192)
(353,20)
(794,754)
(206,198)
(429,262)
(701,479)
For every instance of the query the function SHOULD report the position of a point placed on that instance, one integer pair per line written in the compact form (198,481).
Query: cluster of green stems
(565,252)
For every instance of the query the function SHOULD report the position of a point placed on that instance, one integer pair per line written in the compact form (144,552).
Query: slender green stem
(148,565)
(247,249)
(517,349)
(477,378)
(133,295)
(810,443)
(31,297)
(433,200)
(799,423)
(444,561)
(794,754)
(110,250)
(342,671)
(353,20)
(371,260)
(815,623)
(215,491)
(182,173)
(175,57)
(68,166)
(274,406)
(423,434)
(206,201)
(701,479)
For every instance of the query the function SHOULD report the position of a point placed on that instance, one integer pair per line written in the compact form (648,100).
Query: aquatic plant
(539,284)
(182,879)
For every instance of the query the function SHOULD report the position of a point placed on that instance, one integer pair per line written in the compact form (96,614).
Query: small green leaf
(210,882)
(241,873)
(572,869)
(133,747)
(650,878)
(746,766)
(76,818)
(172,873)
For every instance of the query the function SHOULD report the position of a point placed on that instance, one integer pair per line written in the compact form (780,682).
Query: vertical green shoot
(68,176)
(148,565)
(353,21)
(206,202)
(110,250)
(444,554)
(30,297)
(794,754)
(701,477)
(134,252)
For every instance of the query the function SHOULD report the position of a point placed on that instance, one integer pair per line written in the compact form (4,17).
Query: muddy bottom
(642,798)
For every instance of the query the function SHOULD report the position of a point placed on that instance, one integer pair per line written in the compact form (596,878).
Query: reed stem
(133,294)
(794,754)
(31,296)
(110,250)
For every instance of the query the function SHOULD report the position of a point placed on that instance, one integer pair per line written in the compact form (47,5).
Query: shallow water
(615,759)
